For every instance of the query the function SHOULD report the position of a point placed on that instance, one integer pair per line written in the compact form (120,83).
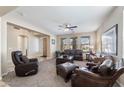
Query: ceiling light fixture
(66,29)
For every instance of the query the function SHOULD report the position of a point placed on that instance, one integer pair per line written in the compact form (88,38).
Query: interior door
(44,47)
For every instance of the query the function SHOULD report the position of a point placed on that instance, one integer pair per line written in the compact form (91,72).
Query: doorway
(22,43)
(44,47)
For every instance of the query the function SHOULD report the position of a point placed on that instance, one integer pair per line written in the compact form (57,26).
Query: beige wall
(0,48)
(116,17)
(15,19)
(34,44)
(53,46)
(78,35)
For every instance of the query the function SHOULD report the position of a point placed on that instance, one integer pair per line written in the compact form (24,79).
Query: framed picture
(110,41)
(53,41)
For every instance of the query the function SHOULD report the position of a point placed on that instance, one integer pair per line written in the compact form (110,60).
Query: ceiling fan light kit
(67,27)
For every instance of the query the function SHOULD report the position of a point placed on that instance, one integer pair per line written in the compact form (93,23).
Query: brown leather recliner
(88,78)
(23,65)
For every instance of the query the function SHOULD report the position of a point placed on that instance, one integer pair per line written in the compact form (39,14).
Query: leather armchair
(23,65)
(95,59)
(84,77)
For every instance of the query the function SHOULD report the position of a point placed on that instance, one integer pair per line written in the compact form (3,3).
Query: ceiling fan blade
(72,27)
(60,25)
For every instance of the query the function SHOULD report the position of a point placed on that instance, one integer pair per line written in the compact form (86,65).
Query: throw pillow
(106,67)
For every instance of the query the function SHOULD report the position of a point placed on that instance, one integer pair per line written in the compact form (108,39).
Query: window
(109,41)
(69,43)
(73,43)
(64,43)
(85,43)
(34,44)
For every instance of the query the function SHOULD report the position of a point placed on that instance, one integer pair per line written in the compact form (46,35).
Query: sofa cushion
(77,55)
(67,52)
(24,59)
(106,68)
(78,52)
(72,52)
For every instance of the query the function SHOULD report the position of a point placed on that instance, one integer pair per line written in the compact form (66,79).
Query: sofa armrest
(33,60)
(85,78)
(29,65)
(91,75)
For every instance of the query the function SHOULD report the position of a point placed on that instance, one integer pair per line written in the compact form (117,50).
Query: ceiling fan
(67,27)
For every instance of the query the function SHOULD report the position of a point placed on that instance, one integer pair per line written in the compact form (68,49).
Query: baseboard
(4,74)
(120,84)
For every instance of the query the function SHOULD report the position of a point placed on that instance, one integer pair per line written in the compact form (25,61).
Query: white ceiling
(87,18)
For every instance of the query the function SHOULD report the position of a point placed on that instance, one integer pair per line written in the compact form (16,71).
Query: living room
(67,28)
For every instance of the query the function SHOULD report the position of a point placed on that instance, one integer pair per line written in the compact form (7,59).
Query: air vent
(17,28)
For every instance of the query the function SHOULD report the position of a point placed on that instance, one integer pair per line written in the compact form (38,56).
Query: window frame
(85,44)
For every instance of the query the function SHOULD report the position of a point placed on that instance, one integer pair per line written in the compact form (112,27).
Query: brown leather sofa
(96,77)
(76,53)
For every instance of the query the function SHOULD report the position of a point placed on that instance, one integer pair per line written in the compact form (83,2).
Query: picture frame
(53,41)
(110,41)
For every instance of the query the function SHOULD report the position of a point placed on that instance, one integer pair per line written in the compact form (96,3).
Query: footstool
(62,59)
(65,70)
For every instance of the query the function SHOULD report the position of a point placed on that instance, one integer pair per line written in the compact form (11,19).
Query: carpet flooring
(46,77)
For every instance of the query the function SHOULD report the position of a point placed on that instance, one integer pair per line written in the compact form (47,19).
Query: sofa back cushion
(73,52)
(106,68)
(16,57)
(78,52)
(24,59)
(67,52)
